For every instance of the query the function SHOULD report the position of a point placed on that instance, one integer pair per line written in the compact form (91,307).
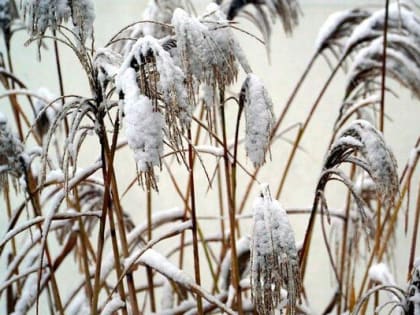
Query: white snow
(332,25)
(259,119)
(161,264)
(381,274)
(414,153)
(143,124)
(112,306)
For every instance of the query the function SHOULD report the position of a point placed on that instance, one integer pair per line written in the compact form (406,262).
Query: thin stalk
(101,232)
(115,251)
(60,78)
(232,218)
(83,245)
(383,72)
(187,193)
(13,98)
(149,270)
(235,157)
(305,125)
(194,222)
(344,248)
(414,236)
(34,199)
(120,216)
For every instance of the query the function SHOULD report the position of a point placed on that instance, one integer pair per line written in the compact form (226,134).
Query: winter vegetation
(176,114)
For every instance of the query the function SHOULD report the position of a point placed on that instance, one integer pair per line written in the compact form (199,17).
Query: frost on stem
(378,159)
(11,154)
(143,124)
(274,257)
(259,118)
(43,14)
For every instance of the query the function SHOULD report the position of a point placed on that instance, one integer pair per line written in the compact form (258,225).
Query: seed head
(274,257)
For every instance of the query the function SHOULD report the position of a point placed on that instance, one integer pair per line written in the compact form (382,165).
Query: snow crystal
(381,274)
(348,141)
(112,306)
(29,294)
(414,153)
(3,119)
(216,151)
(259,118)
(158,218)
(79,305)
(55,176)
(167,300)
(161,264)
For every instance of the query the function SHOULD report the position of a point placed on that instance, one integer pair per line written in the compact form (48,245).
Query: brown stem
(383,71)
(194,222)
(232,216)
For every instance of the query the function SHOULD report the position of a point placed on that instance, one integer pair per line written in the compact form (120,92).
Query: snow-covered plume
(378,159)
(43,14)
(401,20)
(274,257)
(259,118)
(403,64)
(207,48)
(161,12)
(143,122)
(83,16)
(11,150)
(336,27)
(287,10)
(153,61)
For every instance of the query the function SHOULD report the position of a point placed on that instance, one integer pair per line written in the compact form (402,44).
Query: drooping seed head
(11,150)
(274,257)
(259,118)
